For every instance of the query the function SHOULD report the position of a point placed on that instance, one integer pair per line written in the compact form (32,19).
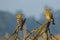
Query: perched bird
(20,21)
(49,15)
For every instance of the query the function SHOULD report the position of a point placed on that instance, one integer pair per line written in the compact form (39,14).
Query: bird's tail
(53,21)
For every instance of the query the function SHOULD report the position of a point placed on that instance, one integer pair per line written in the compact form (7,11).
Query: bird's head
(19,16)
(47,10)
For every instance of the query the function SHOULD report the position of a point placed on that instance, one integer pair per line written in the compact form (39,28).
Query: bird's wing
(23,21)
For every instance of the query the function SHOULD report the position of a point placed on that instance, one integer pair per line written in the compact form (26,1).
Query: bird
(49,15)
(20,20)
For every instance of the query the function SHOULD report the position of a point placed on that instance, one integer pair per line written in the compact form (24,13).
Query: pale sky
(30,7)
